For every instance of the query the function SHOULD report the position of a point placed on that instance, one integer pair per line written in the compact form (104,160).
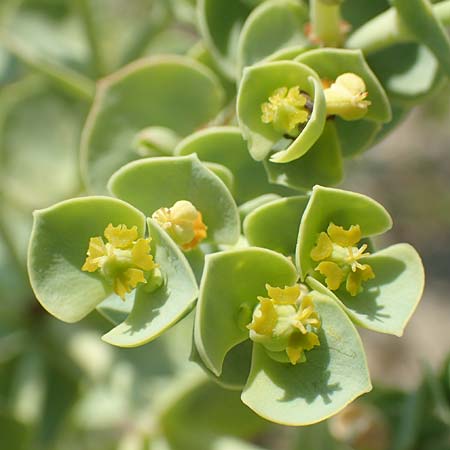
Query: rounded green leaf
(409,72)
(171,91)
(343,208)
(275,225)
(57,251)
(387,302)
(329,63)
(321,165)
(421,22)
(229,289)
(152,183)
(220,23)
(246,208)
(334,374)
(272,26)
(222,172)
(225,146)
(154,312)
(235,368)
(257,85)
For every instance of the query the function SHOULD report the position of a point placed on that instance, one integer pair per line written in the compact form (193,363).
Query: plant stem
(386,29)
(97,57)
(326,23)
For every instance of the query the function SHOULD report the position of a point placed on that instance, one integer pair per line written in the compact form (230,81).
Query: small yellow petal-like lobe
(344,238)
(265,319)
(284,296)
(121,236)
(355,279)
(323,248)
(96,250)
(334,275)
(140,255)
(300,342)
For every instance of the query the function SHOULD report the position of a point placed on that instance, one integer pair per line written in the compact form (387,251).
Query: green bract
(153,183)
(258,84)
(57,251)
(333,374)
(172,92)
(386,302)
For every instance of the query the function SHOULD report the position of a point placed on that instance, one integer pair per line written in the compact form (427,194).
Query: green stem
(386,29)
(326,23)
(97,57)
(70,81)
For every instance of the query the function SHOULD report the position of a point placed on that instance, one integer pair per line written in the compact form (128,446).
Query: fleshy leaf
(224,173)
(388,301)
(333,375)
(408,72)
(225,145)
(224,307)
(321,165)
(171,91)
(152,183)
(329,63)
(154,312)
(281,20)
(275,225)
(257,85)
(220,23)
(235,368)
(342,208)
(419,18)
(57,251)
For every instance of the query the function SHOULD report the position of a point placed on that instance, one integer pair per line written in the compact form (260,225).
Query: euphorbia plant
(253,126)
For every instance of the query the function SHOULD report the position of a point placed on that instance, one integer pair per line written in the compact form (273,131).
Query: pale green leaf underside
(275,225)
(152,183)
(57,251)
(343,208)
(171,91)
(388,301)
(231,283)
(333,375)
(155,312)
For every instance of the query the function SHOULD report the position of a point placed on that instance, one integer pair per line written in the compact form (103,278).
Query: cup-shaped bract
(225,146)
(334,373)
(66,287)
(282,20)
(258,85)
(57,252)
(174,92)
(154,183)
(384,298)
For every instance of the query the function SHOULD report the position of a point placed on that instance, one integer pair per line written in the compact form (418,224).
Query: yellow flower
(183,222)
(122,260)
(286,110)
(339,258)
(286,323)
(346,97)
